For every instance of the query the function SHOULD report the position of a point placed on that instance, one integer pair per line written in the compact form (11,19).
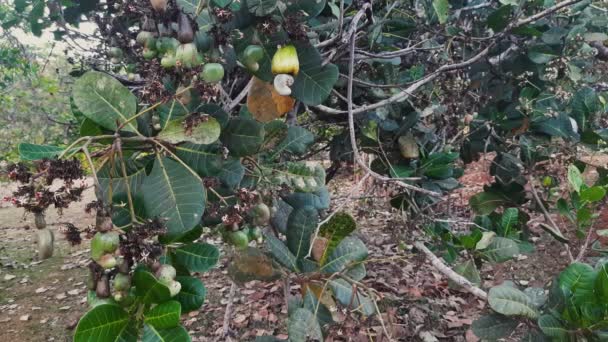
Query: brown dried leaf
(265,103)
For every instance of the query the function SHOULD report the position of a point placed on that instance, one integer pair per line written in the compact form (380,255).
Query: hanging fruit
(168,60)
(187,55)
(239,239)
(159,5)
(212,72)
(184,33)
(285,61)
(251,56)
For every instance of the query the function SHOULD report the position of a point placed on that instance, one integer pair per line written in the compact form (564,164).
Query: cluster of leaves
(573,310)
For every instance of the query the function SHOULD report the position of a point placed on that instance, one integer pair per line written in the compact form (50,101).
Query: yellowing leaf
(265,103)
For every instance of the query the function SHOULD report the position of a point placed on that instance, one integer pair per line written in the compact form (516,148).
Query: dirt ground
(42,300)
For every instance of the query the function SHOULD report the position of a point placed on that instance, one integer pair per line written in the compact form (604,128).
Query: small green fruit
(122,282)
(239,239)
(255,233)
(107,261)
(115,52)
(168,61)
(106,242)
(144,38)
(253,53)
(166,274)
(166,44)
(149,54)
(187,55)
(212,72)
(260,214)
(204,41)
(174,288)
(547,181)
(285,61)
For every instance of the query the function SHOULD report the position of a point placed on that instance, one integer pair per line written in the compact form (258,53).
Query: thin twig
(228,313)
(448,272)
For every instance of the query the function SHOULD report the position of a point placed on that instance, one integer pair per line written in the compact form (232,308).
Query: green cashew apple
(174,288)
(204,41)
(122,282)
(255,233)
(252,55)
(166,274)
(168,61)
(187,55)
(107,261)
(166,44)
(104,243)
(239,239)
(145,38)
(115,52)
(149,53)
(260,214)
(212,72)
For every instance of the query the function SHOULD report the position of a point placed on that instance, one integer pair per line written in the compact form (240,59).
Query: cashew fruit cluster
(166,275)
(240,236)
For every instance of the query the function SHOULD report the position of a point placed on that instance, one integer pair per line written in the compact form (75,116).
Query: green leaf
(337,228)
(601,283)
(105,100)
(494,326)
(36,152)
(486,239)
(197,257)
(173,193)
(164,316)
(468,270)
(208,161)
(310,8)
(320,311)
(105,322)
(243,136)
(593,194)
(280,252)
(343,291)
(149,288)
(350,250)
(301,225)
(302,177)
(499,19)
(585,104)
(206,132)
(314,82)
(575,178)
(541,54)
(501,249)
(509,218)
(442,8)
(552,327)
(177,334)
(261,8)
(510,301)
(297,141)
(484,203)
(579,279)
(192,294)
(303,324)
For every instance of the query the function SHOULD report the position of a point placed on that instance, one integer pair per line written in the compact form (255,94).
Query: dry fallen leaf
(265,103)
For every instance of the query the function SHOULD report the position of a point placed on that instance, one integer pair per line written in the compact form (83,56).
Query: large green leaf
(501,249)
(345,294)
(243,136)
(468,270)
(558,126)
(494,326)
(149,288)
(484,203)
(575,178)
(579,279)
(164,316)
(601,283)
(509,218)
(177,334)
(314,81)
(301,225)
(197,257)
(337,228)
(442,8)
(36,152)
(297,141)
(105,100)
(105,322)
(499,19)
(303,324)
(302,177)
(585,104)
(310,8)
(552,327)
(510,301)
(208,161)
(206,132)
(173,193)
(170,111)
(320,311)
(349,251)
(193,293)
(280,252)
(261,8)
